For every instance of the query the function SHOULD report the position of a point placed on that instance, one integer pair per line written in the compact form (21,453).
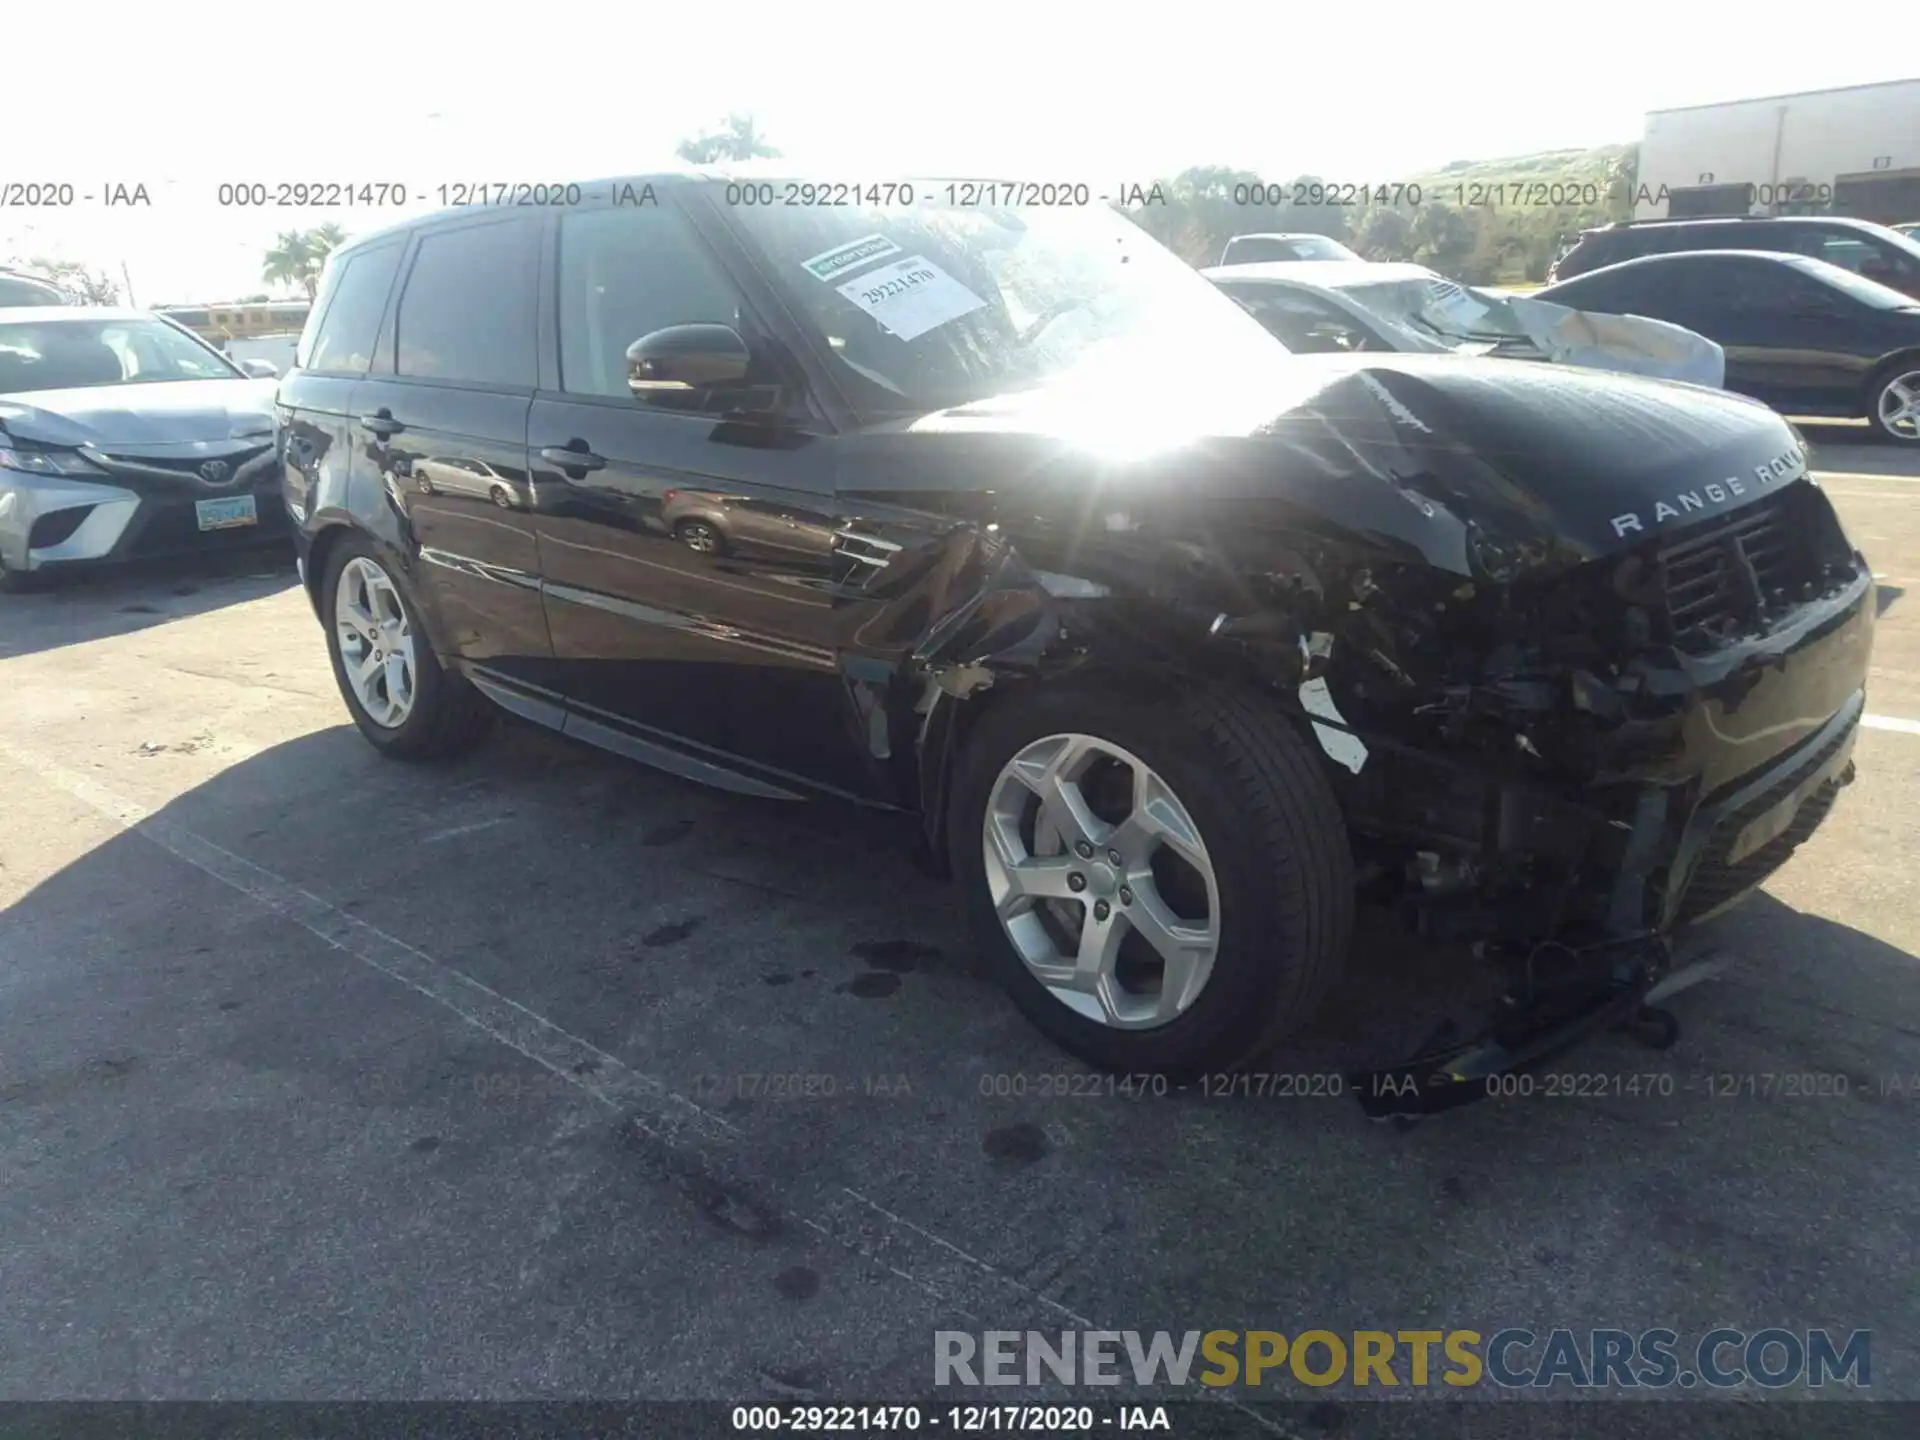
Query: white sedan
(1325,306)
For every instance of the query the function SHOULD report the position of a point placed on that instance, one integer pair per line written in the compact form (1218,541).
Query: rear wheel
(1893,407)
(400,696)
(700,536)
(1161,888)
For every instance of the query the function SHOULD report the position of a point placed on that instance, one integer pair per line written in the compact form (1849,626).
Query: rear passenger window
(338,339)
(467,312)
(625,273)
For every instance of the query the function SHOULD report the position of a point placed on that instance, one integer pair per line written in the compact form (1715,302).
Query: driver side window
(625,273)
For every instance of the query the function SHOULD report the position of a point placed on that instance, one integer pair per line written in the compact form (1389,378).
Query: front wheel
(400,696)
(1894,409)
(1161,887)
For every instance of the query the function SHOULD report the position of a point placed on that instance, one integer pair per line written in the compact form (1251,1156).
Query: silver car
(123,436)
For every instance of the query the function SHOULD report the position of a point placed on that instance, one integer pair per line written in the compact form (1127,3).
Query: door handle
(572,456)
(381,423)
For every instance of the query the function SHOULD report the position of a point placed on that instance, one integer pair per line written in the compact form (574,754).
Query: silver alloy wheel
(1097,892)
(700,537)
(376,643)
(1899,406)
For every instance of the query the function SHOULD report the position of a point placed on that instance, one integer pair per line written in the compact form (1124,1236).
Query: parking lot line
(693,1139)
(648,1103)
(1823,477)
(1890,722)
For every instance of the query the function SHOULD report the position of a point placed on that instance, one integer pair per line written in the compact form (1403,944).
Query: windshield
(1867,292)
(1256,249)
(1438,307)
(21,291)
(938,305)
(72,354)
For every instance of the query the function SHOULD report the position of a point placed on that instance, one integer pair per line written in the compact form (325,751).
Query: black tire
(686,530)
(1904,367)
(449,716)
(20,582)
(1272,828)
(501,497)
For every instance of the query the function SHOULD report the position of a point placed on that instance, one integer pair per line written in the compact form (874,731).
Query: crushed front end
(1568,770)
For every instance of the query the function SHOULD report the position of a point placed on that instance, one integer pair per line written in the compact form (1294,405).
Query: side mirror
(261,369)
(681,361)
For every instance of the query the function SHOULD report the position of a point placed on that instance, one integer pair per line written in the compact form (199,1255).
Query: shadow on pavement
(201,1098)
(96,605)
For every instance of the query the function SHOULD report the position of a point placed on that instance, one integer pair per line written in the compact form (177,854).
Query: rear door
(688,556)
(313,409)
(442,424)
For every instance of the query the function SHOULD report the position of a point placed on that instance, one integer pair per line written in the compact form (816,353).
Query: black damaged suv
(1165,633)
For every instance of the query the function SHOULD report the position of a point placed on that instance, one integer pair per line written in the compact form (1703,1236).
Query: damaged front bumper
(1682,857)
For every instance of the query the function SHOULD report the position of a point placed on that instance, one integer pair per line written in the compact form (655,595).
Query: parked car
(1166,636)
(474,479)
(1872,251)
(1806,337)
(1343,309)
(1909,230)
(1256,249)
(19,290)
(714,522)
(123,436)
(267,356)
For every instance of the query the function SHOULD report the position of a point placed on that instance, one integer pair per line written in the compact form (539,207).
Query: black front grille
(188,467)
(1736,571)
(1716,879)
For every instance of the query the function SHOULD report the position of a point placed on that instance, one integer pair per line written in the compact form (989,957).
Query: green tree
(292,262)
(1444,238)
(738,139)
(298,256)
(1623,178)
(1385,232)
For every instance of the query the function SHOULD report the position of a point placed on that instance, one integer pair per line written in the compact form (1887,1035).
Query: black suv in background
(1869,250)
(1565,660)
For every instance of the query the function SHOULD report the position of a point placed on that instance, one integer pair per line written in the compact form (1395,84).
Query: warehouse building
(1853,151)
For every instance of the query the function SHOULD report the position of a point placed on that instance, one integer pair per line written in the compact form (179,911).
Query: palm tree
(738,139)
(291,261)
(299,256)
(325,239)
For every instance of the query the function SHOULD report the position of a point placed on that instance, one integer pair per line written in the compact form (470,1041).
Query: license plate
(227,513)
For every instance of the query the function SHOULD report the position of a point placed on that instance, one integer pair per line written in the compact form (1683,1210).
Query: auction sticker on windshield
(911,296)
(842,258)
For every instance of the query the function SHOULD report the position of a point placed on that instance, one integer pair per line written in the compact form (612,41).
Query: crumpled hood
(165,413)
(1444,454)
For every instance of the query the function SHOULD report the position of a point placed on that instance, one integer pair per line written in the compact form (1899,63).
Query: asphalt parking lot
(326,1077)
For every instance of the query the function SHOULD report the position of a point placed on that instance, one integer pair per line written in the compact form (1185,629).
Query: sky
(184,98)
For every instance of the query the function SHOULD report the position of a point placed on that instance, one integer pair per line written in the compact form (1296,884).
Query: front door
(688,559)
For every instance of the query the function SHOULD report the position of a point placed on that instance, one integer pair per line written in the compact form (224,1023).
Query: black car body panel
(1875,251)
(1558,634)
(1792,337)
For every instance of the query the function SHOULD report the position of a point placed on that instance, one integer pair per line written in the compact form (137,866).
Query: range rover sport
(1171,638)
